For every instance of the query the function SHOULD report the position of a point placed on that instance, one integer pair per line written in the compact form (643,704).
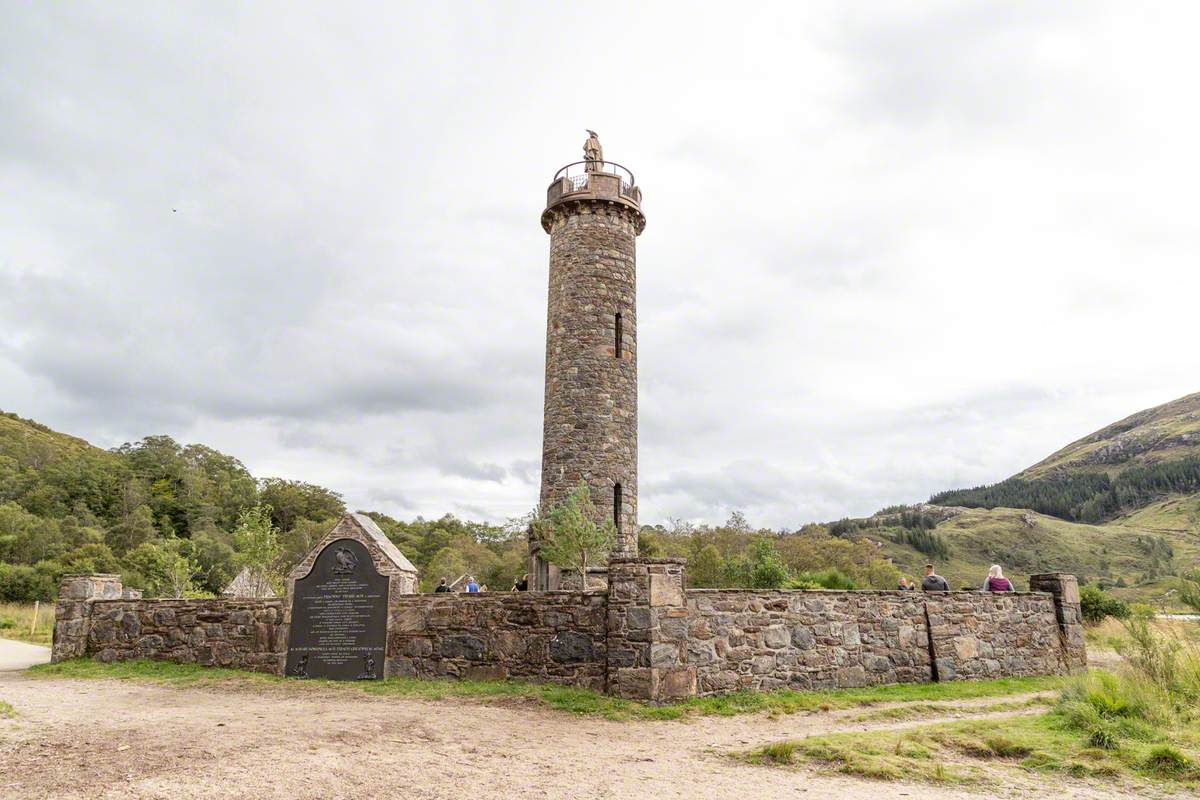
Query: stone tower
(593,215)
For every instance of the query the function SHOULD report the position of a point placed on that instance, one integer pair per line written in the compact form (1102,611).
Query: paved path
(19,655)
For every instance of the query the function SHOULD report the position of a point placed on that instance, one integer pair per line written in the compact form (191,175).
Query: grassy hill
(1164,433)
(1119,507)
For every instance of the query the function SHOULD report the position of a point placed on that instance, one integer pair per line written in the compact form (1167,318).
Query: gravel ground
(118,739)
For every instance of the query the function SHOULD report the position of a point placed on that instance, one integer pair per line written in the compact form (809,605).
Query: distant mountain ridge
(1118,469)
(1167,432)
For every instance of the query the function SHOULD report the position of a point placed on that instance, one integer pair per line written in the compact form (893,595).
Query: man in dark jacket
(932,582)
(442,587)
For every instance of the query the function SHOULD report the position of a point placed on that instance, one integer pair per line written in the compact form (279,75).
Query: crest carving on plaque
(344,561)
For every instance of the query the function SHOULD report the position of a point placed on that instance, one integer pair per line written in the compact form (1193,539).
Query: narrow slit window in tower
(620,336)
(617,507)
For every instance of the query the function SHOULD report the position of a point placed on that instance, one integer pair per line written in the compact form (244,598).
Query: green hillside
(1120,507)
(1169,432)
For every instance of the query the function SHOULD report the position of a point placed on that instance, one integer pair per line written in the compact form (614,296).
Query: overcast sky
(891,248)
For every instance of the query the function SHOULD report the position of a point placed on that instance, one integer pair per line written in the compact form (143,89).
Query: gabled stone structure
(245,586)
(386,556)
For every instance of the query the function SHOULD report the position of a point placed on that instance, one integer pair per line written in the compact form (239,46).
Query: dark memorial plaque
(339,617)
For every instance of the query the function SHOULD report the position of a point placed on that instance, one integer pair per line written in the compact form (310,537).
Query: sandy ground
(113,739)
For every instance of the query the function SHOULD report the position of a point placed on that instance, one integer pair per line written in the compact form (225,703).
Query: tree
(569,536)
(446,563)
(767,570)
(704,571)
(163,568)
(257,549)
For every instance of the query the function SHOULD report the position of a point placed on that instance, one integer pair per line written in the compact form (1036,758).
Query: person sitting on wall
(903,585)
(521,584)
(442,587)
(472,586)
(932,582)
(996,582)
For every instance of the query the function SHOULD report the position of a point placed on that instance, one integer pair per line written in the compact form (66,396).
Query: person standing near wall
(932,582)
(996,582)
(442,587)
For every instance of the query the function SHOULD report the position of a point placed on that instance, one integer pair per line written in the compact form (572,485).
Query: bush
(22,584)
(831,578)
(1097,604)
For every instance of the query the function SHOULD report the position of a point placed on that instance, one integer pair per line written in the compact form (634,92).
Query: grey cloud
(464,468)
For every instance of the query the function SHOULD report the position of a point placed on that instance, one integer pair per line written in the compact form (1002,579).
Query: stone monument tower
(593,215)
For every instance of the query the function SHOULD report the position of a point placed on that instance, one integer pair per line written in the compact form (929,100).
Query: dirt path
(110,739)
(19,655)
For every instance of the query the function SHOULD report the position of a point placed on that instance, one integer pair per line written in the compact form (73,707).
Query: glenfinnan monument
(593,215)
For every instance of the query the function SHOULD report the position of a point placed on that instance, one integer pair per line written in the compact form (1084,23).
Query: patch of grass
(1101,729)
(17,618)
(1167,761)
(6,710)
(563,698)
(919,710)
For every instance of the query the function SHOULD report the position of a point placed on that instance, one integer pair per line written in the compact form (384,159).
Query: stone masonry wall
(977,635)
(644,637)
(746,639)
(753,639)
(544,636)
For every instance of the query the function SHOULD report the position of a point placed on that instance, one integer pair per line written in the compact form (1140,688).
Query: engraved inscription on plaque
(339,617)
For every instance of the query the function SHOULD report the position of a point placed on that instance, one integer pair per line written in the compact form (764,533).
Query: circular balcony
(594,180)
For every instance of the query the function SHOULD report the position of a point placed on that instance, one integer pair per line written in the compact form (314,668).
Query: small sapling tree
(256,540)
(569,536)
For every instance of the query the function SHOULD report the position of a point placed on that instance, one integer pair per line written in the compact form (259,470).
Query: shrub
(1167,760)
(831,578)
(22,584)
(1096,604)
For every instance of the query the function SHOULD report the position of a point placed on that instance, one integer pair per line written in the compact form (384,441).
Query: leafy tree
(163,568)
(446,563)
(133,529)
(767,569)
(569,536)
(704,571)
(291,501)
(257,550)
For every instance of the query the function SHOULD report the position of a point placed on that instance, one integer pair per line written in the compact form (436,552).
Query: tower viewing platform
(604,181)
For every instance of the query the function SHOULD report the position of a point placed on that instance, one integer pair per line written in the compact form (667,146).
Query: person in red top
(996,582)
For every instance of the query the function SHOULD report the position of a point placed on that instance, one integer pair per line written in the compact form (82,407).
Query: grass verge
(6,710)
(565,698)
(16,620)
(959,752)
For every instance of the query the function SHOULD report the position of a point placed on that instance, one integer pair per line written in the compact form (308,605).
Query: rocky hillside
(1163,433)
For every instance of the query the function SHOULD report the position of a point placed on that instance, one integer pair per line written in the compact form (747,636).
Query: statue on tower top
(593,153)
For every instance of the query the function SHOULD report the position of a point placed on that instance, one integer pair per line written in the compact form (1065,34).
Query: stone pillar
(1065,590)
(73,611)
(647,630)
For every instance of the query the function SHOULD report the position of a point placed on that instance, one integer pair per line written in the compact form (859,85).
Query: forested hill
(1114,471)
(161,513)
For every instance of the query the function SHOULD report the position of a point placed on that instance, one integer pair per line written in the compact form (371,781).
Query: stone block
(665,590)
(664,655)
(571,647)
(677,684)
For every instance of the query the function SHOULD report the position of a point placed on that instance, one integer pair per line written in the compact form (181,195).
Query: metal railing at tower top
(576,174)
